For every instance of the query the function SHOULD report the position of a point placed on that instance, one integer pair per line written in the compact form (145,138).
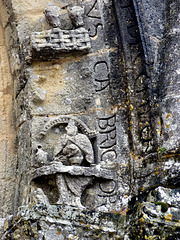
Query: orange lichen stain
(156,172)
(81,222)
(170,155)
(141,220)
(132,154)
(6,226)
(177,224)
(169,115)
(167,126)
(168,217)
(122,211)
(88,225)
(142,189)
(58,231)
(131,107)
(159,122)
(34,202)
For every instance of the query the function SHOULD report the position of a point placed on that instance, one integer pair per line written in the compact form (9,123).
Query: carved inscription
(93,13)
(101,75)
(140,101)
(107,131)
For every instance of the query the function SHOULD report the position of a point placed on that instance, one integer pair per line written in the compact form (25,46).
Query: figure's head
(53,15)
(76,14)
(71,128)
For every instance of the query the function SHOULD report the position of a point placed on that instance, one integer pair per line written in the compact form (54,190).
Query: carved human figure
(73,148)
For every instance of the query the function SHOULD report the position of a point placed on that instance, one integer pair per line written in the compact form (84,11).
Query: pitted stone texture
(151,20)
(64,222)
(155,221)
(111,97)
(166,195)
(169,80)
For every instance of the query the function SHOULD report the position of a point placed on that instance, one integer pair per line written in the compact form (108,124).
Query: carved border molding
(65,119)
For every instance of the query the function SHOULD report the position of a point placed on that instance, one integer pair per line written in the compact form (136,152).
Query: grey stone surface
(66,222)
(169,90)
(158,217)
(97,118)
(76,14)
(151,17)
(53,16)
(166,195)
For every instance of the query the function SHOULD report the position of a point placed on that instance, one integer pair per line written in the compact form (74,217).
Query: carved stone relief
(50,44)
(65,144)
(68,165)
(86,118)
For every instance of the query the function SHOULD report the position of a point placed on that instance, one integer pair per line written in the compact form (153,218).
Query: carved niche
(63,167)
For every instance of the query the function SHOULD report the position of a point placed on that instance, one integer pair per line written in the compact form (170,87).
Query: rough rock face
(90,119)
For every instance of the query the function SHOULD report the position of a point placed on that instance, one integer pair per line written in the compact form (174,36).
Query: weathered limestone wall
(90,133)
(8,160)
(170,80)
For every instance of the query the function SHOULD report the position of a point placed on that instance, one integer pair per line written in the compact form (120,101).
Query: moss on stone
(164,206)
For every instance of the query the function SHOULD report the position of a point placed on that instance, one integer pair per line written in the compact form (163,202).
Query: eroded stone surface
(64,222)
(97,118)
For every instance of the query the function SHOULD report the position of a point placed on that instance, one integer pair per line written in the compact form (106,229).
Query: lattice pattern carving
(61,40)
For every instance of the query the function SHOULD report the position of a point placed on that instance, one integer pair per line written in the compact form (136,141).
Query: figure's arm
(90,158)
(86,147)
(59,146)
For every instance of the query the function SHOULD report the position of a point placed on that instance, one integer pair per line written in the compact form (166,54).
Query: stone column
(170,81)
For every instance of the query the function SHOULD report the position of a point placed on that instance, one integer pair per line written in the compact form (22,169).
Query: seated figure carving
(73,148)
(72,151)
(72,168)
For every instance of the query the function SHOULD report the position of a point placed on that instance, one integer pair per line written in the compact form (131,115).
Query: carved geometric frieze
(49,44)
(60,40)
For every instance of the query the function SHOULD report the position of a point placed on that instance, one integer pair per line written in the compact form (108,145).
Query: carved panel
(59,41)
